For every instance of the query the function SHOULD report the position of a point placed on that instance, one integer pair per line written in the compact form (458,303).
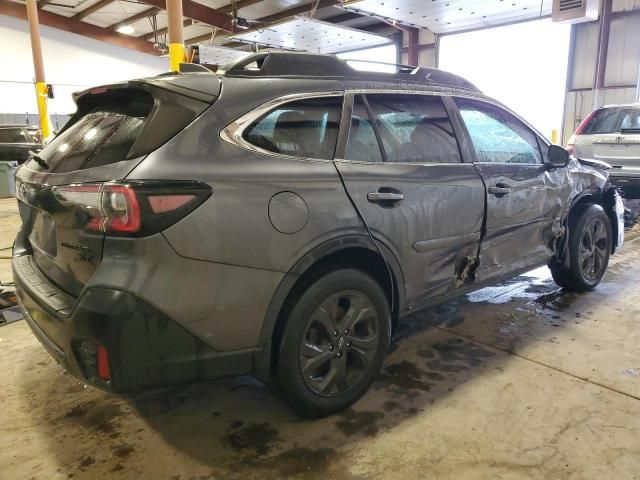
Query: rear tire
(334,342)
(589,250)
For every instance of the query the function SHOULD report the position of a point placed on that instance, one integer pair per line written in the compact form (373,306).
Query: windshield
(613,120)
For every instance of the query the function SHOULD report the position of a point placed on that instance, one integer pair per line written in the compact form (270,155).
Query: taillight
(133,208)
(94,360)
(104,373)
(584,123)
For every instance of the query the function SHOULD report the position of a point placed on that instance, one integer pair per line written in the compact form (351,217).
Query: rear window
(103,136)
(303,128)
(12,135)
(613,120)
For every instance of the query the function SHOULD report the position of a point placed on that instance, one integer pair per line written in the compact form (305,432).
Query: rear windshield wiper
(630,130)
(39,160)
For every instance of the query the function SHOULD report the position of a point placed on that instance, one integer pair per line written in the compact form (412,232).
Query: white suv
(612,134)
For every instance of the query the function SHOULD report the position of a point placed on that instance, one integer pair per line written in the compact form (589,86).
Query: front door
(523,195)
(402,169)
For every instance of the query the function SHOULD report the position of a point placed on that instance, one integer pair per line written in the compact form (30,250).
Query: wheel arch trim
(262,359)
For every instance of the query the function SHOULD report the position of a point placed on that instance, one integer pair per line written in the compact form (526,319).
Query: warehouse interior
(522,379)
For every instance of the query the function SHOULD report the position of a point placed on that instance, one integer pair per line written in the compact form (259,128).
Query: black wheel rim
(339,343)
(592,253)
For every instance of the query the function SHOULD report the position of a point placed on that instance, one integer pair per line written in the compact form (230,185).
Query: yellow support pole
(43,114)
(175,25)
(38,67)
(176,56)
(554,136)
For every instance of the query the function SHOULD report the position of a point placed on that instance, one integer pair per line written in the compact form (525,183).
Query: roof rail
(298,64)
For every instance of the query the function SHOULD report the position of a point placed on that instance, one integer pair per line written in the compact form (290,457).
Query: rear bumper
(628,182)
(144,347)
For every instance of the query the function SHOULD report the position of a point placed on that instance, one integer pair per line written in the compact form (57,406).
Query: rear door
(523,196)
(402,168)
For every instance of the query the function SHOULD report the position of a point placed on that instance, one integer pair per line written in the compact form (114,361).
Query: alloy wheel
(339,343)
(592,253)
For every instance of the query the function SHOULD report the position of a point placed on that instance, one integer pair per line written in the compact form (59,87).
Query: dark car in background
(16,141)
(283,215)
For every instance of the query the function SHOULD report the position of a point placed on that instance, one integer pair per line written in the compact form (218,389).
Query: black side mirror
(558,157)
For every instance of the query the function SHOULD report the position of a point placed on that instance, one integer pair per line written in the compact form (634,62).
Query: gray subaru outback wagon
(282,215)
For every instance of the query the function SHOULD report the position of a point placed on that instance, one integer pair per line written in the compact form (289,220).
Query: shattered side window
(498,136)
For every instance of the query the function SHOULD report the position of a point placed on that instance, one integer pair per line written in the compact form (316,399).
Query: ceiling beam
(134,18)
(200,38)
(163,31)
(199,12)
(240,4)
(153,10)
(276,17)
(92,9)
(70,25)
(226,9)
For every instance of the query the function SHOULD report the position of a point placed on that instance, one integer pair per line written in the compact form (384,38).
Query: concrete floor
(516,381)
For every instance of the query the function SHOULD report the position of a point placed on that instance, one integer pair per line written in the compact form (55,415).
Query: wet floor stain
(303,460)
(87,462)
(101,417)
(123,451)
(403,375)
(254,437)
(354,422)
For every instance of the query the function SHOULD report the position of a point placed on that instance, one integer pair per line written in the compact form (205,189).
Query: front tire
(589,250)
(334,342)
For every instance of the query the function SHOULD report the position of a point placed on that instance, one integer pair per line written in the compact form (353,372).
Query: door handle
(500,189)
(384,197)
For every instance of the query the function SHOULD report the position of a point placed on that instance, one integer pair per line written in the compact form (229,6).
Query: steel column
(603,47)
(413,42)
(176,34)
(38,67)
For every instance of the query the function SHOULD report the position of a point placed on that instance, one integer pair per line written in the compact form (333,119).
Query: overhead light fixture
(126,29)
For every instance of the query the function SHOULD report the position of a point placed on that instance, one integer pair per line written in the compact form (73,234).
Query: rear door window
(414,128)
(498,136)
(362,144)
(303,128)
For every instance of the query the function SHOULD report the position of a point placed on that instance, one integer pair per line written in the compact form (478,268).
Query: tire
(589,249)
(322,371)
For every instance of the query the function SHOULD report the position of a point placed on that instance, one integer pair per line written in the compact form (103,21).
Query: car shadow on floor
(239,428)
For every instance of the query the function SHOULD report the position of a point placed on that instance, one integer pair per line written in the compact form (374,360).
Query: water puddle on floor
(527,286)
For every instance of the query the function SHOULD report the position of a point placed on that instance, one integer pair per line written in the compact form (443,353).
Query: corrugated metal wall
(622,69)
